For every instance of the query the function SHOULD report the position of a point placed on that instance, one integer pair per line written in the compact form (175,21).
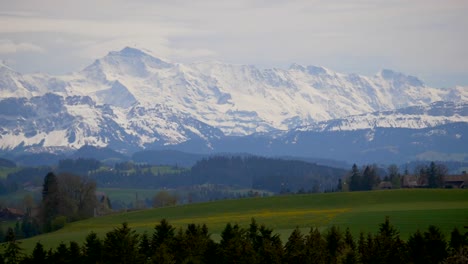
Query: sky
(424,38)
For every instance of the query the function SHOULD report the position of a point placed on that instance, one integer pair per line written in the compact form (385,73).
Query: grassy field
(408,210)
(120,194)
(5,171)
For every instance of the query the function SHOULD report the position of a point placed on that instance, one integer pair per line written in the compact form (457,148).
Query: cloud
(8,47)
(420,37)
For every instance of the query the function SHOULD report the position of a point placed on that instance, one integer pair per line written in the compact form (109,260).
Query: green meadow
(408,210)
(128,195)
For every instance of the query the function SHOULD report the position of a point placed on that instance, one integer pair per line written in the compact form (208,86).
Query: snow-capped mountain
(414,117)
(131,99)
(52,121)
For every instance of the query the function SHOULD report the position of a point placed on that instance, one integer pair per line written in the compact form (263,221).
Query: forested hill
(275,175)
(271,174)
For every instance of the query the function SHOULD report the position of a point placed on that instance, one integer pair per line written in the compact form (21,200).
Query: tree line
(65,198)
(272,174)
(369,177)
(254,244)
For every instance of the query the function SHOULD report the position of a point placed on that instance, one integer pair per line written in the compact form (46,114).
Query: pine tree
(334,244)
(235,246)
(436,246)
(61,254)
(50,201)
(355,179)
(39,255)
(432,175)
(75,256)
(145,246)
(388,245)
(366,248)
(394,176)
(92,249)
(269,248)
(294,250)
(12,254)
(121,246)
(457,240)
(163,233)
(417,249)
(369,178)
(315,247)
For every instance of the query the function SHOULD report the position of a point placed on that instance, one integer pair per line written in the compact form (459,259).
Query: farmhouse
(413,181)
(10,214)
(385,185)
(456,181)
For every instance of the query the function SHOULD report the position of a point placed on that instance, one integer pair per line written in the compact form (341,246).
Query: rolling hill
(408,210)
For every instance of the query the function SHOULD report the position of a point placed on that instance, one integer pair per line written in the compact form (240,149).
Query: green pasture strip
(4,171)
(166,170)
(408,210)
(120,194)
(15,199)
(406,221)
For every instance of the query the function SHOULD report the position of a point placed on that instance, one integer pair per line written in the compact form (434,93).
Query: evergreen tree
(29,226)
(366,248)
(50,201)
(394,176)
(269,248)
(388,247)
(92,249)
(350,255)
(75,256)
(12,253)
(193,244)
(369,178)
(339,187)
(61,254)
(294,250)
(436,246)
(334,244)
(235,246)
(432,175)
(121,246)
(349,240)
(163,255)
(457,240)
(416,249)
(163,234)
(315,247)
(39,255)
(145,246)
(355,179)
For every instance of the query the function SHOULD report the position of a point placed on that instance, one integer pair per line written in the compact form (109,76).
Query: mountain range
(130,100)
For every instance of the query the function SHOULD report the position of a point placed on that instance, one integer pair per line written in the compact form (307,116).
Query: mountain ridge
(131,100)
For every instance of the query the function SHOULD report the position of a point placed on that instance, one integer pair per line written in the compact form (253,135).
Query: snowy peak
(399,79)
(13,84)
(132,96)
(4,66)
(117,95)
(311,69)
(133,55)
(414,117)
(128,61)
(129,52)
(314,70)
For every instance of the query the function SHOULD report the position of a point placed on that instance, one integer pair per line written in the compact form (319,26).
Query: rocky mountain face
(130,100)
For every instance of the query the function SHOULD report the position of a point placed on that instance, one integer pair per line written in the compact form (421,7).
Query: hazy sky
(425,38)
